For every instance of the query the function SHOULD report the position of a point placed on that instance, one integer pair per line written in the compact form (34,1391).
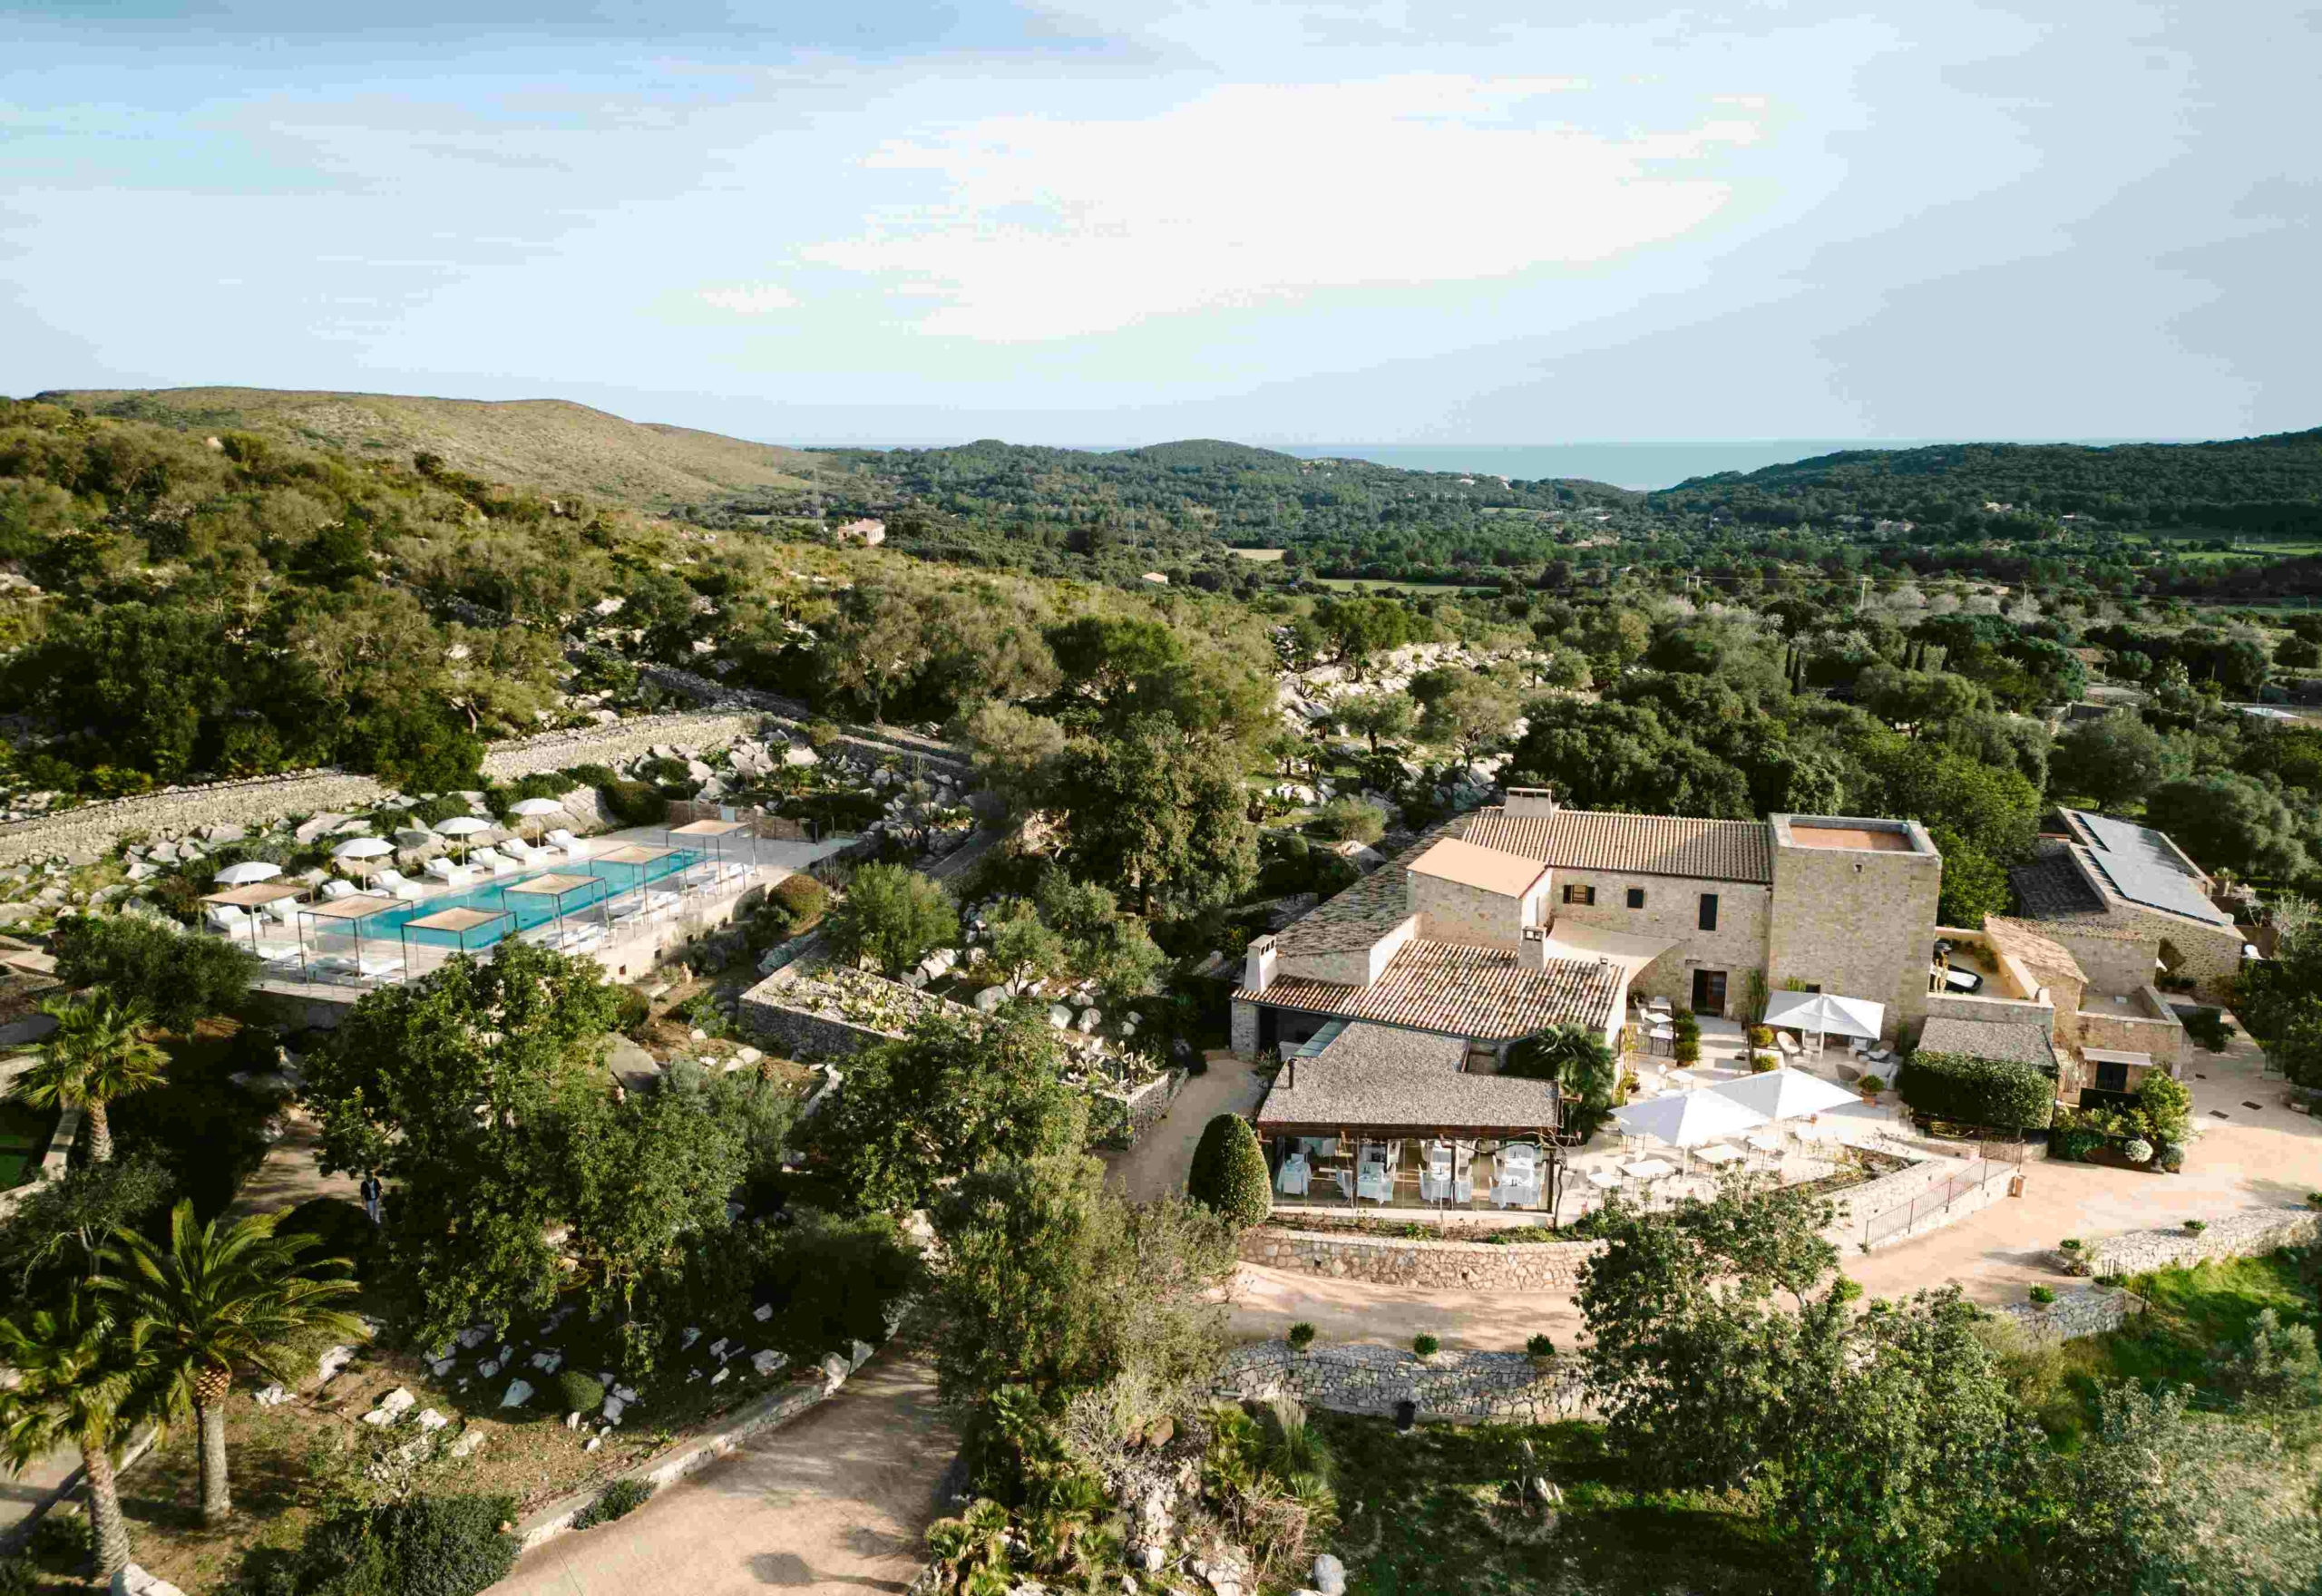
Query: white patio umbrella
(248,872)
(1688,1119)
(362,848)
(1784,1093)
(1826,1014)
(536,808)
(462,827)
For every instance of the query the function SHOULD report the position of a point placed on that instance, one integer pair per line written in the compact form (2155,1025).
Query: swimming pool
(530,908)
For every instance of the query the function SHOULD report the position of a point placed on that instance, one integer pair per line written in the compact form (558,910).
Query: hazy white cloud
(1042,228)
(750,298)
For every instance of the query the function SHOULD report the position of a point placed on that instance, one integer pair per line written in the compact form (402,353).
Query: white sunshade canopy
(531,807)
(1569,938)
(1784,1093)
(362,848)
(461,825)
(1688,1119)
(1831,1015)
(249,871)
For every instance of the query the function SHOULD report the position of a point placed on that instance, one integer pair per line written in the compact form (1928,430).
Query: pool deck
(626,945)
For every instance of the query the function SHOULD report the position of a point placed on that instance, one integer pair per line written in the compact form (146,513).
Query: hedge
(2000,1092)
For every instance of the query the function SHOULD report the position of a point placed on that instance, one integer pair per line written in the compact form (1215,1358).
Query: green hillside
(2268,484)
(527,443)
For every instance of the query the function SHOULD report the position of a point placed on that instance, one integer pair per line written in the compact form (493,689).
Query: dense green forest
(2268,485)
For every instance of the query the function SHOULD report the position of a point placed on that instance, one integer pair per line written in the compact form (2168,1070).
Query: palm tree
(99,1051)
(78,1384)
(216,1299)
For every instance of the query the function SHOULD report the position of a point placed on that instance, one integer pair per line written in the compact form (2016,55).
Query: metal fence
(1905,1217)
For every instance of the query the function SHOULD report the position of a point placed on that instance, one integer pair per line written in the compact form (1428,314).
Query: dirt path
(1156,1166)
(836,1501)
(286,1177)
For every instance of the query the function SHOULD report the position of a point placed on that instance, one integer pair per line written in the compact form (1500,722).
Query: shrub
(2042,1295)
(420,1546)
(2194,1227)
(1978,1091)
(1874,1085)
(18,1577)
(577,1392)
(894,915)
(833,1280)
(2314,1200)
(2171,1157)
(1349,820)
(633,1011)
(1848,1289)
(1764,1063)
(64,1537)
(1229,1172)
(2106,1282)
(1761,1035)
(2137,1150)
(1425,1345)
(634,804)
(1302,1336)
(1540,1345)
(2167,1107)
(802,898)
(2070,1244)
(2206,1027)
(618,1500)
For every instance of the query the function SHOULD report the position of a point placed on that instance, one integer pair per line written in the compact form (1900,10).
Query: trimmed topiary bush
(1998,1092)
(802,897)
(1425,1345)
(1229,1172)
(576,1392)
(1540,1345)
(1302,1336)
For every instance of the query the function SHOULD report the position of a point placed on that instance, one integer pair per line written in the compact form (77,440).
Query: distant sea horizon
(1638,466)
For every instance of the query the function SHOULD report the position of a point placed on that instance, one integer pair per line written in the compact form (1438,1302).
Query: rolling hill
(548,444)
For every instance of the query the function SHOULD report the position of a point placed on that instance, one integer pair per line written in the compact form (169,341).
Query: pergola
(456,923)
(636,856)
(351,912)
(715,832)
(555,889)
(256,895)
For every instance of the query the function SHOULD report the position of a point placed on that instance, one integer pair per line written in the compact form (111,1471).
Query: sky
(1119,221)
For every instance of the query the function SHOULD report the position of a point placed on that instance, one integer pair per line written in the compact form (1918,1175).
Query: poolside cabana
(350,913)
(254,895)
(1821,1014)
(639,857)
(458,923)
(555,889)
(715,832)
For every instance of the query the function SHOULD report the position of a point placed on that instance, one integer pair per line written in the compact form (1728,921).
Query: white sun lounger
(400,885)
(450,874)
(493,859)
(573,847)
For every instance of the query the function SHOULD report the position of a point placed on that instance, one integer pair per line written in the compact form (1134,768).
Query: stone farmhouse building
(1506,920)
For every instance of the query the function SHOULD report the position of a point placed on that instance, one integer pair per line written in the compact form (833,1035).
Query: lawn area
(2195,1314)
(1431,1512)
(1366,585)
(1264,556)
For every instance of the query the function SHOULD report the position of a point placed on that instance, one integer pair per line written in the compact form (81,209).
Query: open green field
(1264,556)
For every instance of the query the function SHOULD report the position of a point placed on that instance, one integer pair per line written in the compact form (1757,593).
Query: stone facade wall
(2210,955)
(2113,961)
(1245,1039)
(1452,911)
(1388,1260)
(2145,1025)
(2090,1311)
(1672,908)
(2249,1233)
(1856,922)
(2006,1011)
(1505,1388)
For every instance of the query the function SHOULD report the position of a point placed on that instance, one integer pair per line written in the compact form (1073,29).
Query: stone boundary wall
(1504,1388)
(1394,1261)
(625,739)
(2090,1311)
(1875,1199)
(2249,1233)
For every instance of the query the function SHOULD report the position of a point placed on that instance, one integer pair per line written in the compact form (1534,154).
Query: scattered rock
(272,1397)
(1330,1575)
(767,1362)
(429,1420)
(133,1580)
(467,1443)
(334,1360)
(518,1393)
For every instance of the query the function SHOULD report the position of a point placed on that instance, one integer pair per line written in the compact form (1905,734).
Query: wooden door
(1708,992)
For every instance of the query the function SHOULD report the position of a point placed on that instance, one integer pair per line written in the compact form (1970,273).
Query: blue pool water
(531,908)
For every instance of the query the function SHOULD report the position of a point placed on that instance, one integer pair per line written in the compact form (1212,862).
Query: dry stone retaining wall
(2249,1233)
(2090,1311)
(1505,1388)
(1388,1260)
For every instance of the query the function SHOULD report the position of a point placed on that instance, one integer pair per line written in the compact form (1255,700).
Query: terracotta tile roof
(1639,844)
(1988,1038)
(1366,911)
(1466,991)
(1376,1077)
(1489,870)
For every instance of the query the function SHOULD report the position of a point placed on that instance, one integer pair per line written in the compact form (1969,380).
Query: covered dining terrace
(1368,1115)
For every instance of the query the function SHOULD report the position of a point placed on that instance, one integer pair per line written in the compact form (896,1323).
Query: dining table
(1717,1154)
(1648,1169)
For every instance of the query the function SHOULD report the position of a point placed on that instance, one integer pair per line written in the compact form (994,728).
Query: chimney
(1533,953)
(1530,803)
(1257,965)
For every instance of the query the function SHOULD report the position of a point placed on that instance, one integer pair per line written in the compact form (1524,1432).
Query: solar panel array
(2144,869)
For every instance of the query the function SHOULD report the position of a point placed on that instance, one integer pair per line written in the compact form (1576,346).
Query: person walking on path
(372,1193)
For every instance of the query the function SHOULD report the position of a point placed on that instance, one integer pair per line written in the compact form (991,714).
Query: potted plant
(1302,1336)
(1425,1345)
(1763,1063)
(2041,1296)
(2314,1200)
(1539,1349)
(2075,1253)
(1870,1086)
(2194,1227)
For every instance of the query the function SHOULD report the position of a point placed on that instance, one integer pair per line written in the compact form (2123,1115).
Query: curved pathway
(838,1500)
